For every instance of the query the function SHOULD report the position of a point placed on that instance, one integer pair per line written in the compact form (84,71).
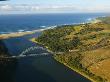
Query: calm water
(42,68)
(19,23)
(38,69)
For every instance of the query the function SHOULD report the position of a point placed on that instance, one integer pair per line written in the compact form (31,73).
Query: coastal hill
(84,48)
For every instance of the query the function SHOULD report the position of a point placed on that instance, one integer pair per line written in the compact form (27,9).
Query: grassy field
(83,47)
(102,68)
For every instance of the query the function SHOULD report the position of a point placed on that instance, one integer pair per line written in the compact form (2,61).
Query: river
(40,68)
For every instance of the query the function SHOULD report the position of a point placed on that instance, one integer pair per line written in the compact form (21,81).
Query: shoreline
(76,70)
(33,40)
(73,69)
(18,34)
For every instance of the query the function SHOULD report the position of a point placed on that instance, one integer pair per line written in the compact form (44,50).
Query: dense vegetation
(56,41)
(82,47)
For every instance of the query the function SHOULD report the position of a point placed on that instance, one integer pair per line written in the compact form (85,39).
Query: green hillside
(83,47)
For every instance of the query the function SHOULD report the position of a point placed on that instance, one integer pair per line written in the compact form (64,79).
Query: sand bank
(18,34)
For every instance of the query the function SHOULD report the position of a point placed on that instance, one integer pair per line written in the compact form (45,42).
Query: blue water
(38,69)
(19,23)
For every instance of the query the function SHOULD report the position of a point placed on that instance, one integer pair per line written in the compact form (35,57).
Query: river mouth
(39,68)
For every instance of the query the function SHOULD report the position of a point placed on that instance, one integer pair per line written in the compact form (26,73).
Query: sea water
(29,22)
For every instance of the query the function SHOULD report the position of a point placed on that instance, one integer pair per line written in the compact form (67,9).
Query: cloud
(5,8)
(98,8)
(51,8)
(24,7)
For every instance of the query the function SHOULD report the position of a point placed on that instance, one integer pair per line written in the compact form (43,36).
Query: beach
(18,34)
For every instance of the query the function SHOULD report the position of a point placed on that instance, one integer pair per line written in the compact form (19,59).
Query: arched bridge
(24,53)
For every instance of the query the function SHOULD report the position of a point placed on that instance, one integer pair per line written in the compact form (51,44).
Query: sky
(54,6)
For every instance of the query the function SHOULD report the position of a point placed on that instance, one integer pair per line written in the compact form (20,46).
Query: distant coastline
(18,34)
(22,33)
(29,24)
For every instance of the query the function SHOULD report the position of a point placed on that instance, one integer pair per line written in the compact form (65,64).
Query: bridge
(24,53)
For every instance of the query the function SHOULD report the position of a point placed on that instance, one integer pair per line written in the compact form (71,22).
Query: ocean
(30,22)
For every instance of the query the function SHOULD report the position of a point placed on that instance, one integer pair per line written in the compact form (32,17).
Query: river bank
(84,38)
(74,69)
(38,69)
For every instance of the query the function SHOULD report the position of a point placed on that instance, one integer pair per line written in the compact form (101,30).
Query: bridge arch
(23,53)
(30,49)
